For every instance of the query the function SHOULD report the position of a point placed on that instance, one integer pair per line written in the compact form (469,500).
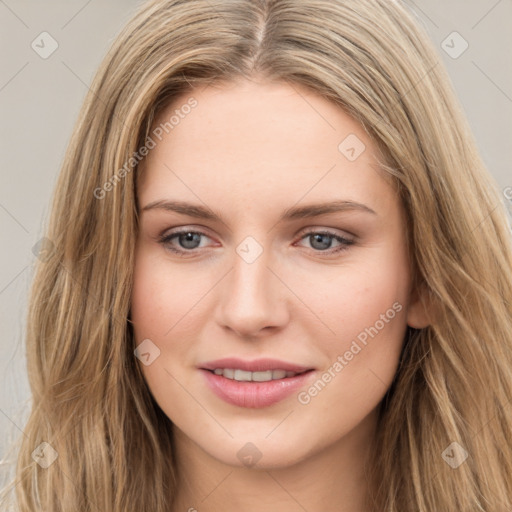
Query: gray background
(40,99)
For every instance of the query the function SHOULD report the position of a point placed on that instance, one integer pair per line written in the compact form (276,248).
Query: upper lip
(257,365)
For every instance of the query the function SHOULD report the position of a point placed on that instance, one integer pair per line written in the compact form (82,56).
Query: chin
(259,453)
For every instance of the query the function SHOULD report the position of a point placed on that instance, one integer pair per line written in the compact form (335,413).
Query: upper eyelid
(180,230)
(203,231)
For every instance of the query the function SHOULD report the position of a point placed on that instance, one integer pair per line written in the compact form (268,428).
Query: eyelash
(166,239)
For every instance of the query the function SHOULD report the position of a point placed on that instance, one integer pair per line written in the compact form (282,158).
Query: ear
(419,310)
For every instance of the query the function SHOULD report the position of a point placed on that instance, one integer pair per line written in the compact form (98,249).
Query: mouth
(247,376)
(255,366)
(254,384)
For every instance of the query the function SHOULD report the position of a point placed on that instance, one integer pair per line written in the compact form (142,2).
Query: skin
(249,151)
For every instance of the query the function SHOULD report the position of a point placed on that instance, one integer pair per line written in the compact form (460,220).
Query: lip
(258,365)
(255,395)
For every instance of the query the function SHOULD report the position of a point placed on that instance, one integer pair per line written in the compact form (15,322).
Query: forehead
(256,143)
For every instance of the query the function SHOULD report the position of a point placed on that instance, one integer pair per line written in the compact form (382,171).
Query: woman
(280,275)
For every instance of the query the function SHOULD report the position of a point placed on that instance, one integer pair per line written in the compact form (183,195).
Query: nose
(253,299)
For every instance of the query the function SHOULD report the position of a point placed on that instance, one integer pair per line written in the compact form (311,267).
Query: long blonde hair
(454,381)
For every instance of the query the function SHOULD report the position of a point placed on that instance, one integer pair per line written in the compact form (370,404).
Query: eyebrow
(293,213)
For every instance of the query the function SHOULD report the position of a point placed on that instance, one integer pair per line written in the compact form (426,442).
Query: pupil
(189,239)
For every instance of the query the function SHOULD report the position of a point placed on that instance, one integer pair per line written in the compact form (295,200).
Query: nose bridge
(251,300)
(250,277)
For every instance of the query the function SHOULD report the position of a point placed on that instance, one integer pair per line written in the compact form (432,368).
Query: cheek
(162,297)
(354,295)
(362,357)
(365,304)
(370,297)
(162,310)
(149,295)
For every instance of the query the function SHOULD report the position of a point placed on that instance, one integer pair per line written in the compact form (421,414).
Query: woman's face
(295,260)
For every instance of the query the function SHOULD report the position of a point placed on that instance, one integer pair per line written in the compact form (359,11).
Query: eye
(187,241)
(321,241)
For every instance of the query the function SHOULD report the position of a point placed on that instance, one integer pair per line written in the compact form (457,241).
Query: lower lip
(254,395)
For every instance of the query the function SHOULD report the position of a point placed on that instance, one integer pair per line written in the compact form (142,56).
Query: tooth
(245,376)
(229,373)
(262,376)
(278,374)
(241,375)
